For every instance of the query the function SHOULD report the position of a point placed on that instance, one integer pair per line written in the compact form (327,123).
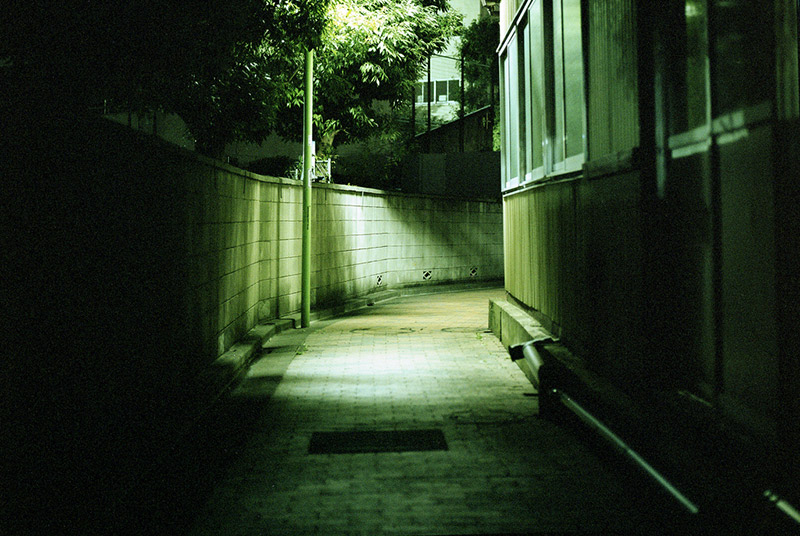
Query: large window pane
(688,65)
(454,90)
(697,64)
(503,66)
(513,110)
(573,77)
(523,70)
(537,119)
(557,140)
(441,91)
(745,54)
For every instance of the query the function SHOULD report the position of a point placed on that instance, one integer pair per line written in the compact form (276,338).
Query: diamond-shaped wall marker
(426,275)
(473,272)
(380,280)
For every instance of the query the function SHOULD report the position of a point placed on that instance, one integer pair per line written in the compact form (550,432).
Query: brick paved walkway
(418,362)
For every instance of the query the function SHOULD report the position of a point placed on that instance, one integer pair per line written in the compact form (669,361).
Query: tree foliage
(210,61)
(231,69)
(479,42)
(373,51)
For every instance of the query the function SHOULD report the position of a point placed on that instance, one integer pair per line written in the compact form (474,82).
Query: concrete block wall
(189,253)
(132,265)
(244,246)
(365,240)
(240,247)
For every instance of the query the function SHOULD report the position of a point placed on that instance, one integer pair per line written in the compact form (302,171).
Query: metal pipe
(620,445)
(527,351)
(783,505)
(305,290)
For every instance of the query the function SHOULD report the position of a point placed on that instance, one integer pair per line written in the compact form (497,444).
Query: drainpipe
(305,290)
(531,355)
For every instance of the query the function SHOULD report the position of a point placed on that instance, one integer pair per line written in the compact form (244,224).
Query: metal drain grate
(376,441)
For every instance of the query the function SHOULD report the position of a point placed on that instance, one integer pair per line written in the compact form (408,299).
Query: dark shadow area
(169,497)
(100,356)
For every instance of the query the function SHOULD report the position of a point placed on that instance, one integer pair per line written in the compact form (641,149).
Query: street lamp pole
(305,291)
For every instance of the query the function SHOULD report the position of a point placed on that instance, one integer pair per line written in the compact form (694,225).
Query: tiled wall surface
(131,265)
(244,240)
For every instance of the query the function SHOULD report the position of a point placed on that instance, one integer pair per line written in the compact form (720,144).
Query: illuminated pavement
(418,362)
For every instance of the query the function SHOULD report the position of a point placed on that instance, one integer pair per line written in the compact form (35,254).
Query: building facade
(649,163)
(439,89)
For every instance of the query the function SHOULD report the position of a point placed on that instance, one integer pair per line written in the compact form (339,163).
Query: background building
(441,84)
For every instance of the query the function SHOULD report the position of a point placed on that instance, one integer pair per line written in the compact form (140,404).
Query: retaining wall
(244,236)
(131,265)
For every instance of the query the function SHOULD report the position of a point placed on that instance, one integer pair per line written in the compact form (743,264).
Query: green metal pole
(305,291)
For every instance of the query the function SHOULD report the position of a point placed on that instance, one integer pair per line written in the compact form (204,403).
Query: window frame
(543,72)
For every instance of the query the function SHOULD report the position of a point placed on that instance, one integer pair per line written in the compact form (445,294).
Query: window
(523,76)
(511,113)
(574,122)
(454,90)
(565,73)
(537,85)
(441,91)
(505,180)
(745,55)
(543,96)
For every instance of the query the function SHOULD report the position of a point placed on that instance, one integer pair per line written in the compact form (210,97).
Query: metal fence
(320,173)
(443,95)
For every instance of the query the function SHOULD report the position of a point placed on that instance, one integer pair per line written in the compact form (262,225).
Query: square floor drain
(376,441)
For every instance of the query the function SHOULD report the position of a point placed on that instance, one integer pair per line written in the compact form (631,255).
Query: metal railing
(321,171)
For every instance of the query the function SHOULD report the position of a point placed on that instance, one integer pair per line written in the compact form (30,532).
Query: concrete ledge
(448,286)
(565,371)
(350,305)
(225,370)
(669,427)
(512,325)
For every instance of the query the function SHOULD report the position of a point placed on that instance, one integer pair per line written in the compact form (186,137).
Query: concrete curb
(217,378)
(513,326)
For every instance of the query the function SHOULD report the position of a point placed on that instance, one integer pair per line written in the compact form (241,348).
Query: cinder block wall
(130,265)
(180,255)
(365,240)
(245,237)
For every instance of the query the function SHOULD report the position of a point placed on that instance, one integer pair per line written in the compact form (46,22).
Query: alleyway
(422,362)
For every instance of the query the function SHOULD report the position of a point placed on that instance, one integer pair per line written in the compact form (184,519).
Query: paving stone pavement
(417,362)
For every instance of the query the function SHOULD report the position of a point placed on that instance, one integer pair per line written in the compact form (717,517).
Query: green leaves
(478,44)
(373,50)
(232,69)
